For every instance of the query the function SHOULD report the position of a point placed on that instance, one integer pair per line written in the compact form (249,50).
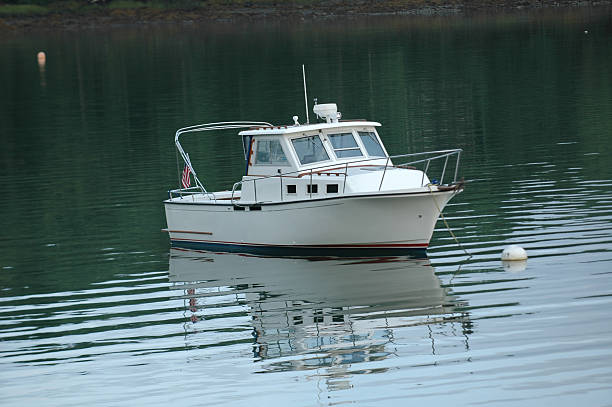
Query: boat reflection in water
(318,312)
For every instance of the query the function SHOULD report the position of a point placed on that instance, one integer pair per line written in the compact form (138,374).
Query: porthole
(332,188)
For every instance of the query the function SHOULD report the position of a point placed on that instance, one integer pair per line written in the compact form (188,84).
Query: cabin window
(291,189)
(345,145)
(270,152)
(310,149)
(371,144)
(332,188)
(312,188)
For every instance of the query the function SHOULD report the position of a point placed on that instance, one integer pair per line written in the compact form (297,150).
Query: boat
(324,188)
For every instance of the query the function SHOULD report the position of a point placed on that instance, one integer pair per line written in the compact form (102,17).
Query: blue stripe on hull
(418,252)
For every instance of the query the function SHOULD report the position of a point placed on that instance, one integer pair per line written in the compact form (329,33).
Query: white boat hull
(391,222)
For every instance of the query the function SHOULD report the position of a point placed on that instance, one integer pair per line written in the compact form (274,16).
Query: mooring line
(446,223)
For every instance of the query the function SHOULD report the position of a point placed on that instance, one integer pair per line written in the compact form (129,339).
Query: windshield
(371,144)
(345,145)
(310,149)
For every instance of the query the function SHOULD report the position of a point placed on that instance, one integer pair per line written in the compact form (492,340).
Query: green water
(96,308)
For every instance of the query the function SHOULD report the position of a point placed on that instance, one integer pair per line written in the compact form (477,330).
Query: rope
(446,223)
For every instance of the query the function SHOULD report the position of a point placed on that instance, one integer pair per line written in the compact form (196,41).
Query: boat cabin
(313,160)
(286,149)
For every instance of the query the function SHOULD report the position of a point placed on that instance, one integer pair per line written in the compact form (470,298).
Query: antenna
(305,94)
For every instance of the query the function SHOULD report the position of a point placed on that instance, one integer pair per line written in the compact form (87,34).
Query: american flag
(186,179)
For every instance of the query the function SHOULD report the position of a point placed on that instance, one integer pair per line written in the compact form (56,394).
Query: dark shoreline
(103,17)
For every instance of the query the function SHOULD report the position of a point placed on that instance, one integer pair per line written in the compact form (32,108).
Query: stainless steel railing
(425,159)
(203,128)
(428,158)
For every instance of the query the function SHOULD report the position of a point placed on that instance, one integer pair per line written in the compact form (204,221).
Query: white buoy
(514,253)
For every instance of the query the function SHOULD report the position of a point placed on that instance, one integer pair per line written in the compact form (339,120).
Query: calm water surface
(96,309)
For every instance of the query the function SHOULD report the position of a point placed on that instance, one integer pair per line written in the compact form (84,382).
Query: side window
(345,145)
(310,149)
(270,152)
(332,188)
(371,144)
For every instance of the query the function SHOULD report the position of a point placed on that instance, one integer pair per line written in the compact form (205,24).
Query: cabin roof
(282,130)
